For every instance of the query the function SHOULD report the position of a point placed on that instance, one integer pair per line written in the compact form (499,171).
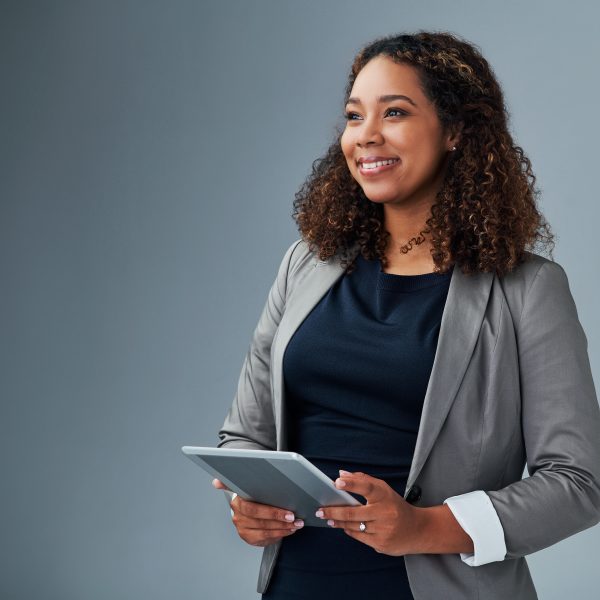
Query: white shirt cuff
(476,514)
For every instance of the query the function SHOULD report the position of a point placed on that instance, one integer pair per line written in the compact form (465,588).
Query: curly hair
(484,217)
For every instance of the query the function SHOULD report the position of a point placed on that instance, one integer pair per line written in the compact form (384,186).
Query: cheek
(422,154)
(347,150)
(415,140)
(345,143)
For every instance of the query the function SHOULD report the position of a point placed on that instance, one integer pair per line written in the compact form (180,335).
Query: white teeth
(379,163)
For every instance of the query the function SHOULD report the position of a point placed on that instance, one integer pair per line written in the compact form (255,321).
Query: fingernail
(319,514)
(299,523)
(340,483)
(330,522)
(345,472)
(289,517)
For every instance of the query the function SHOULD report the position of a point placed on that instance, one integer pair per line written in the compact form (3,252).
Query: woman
(413,345)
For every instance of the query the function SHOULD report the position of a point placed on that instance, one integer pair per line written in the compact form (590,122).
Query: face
(406,130)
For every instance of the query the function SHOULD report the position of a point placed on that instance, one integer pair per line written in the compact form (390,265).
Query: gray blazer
(511,384)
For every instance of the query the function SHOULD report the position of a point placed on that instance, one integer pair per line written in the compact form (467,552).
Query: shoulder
(298,257)
(537,282)
(535,268)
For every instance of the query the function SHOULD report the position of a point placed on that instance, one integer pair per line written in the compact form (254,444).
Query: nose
(370,133)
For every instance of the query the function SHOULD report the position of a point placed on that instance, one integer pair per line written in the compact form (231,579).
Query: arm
(465,524)
(560,422)
(475,514)
(250,422)
(561,430)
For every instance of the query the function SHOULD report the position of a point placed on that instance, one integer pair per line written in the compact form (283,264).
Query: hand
(260,524)
(393,524)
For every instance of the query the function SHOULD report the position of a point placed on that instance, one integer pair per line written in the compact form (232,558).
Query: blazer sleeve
(560,420)
(250,422)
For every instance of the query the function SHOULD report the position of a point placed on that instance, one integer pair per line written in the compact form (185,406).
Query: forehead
(381,75)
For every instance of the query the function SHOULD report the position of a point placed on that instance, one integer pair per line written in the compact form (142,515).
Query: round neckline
(409,283)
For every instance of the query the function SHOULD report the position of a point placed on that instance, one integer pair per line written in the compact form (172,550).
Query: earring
(453,148)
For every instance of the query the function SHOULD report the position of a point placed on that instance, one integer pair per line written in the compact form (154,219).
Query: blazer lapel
(461,321)
(459,330)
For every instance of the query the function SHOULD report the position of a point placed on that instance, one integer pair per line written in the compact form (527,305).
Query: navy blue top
(355,374)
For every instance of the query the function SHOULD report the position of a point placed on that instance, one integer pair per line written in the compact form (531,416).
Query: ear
(454,135)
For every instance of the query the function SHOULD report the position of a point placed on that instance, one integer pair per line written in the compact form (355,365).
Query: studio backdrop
(149,152)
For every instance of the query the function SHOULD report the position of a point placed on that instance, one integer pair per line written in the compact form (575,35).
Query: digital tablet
(283,479)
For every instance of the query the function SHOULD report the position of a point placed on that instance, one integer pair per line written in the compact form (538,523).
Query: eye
(349,116)
(397,110)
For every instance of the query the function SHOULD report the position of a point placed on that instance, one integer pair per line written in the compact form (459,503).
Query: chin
(381,197)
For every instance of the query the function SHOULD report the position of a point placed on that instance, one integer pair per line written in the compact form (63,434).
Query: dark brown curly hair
(484,217)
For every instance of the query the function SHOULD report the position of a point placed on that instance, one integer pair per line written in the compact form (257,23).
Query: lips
(374,171)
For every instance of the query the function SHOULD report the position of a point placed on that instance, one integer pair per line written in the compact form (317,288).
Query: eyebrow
(384,99)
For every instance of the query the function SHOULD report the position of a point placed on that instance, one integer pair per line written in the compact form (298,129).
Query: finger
(354,526)
(256,510)
(347,513)
(250,523)
(373,489)
(361,537)
(220,485)
(265,537)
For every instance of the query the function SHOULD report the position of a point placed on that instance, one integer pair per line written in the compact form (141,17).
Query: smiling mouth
(377,163)
(375,168)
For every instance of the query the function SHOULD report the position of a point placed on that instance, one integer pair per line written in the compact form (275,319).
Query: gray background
(149,152)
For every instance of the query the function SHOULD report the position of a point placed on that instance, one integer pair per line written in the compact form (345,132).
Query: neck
(404,224)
